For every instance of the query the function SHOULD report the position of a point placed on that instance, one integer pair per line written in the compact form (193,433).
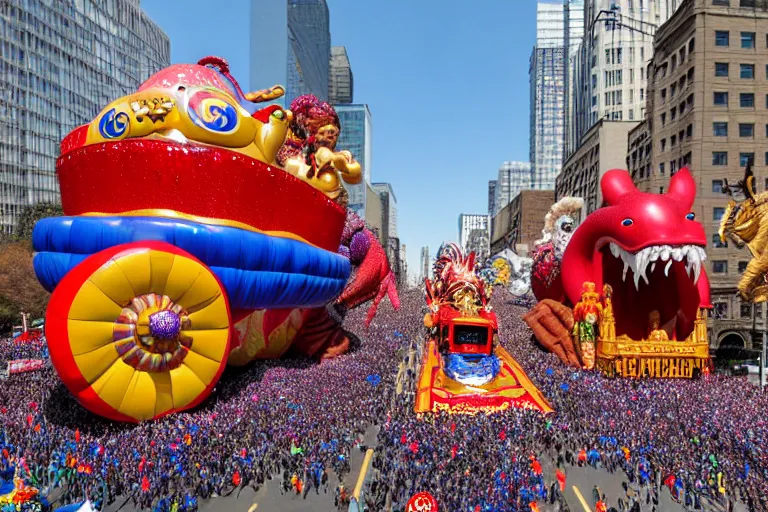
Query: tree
(33,213)
(19,289)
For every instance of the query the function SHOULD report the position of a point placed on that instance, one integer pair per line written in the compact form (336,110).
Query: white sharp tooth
(666,269)
(614,249)
(655,250)
(637,281)
(624,274)
(696,272)
(642,263)
(664,254)
(677,254)
(702,254)
(653,267)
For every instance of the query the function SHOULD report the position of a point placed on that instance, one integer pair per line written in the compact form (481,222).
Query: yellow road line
(253,507)
(363,472)
(581,499)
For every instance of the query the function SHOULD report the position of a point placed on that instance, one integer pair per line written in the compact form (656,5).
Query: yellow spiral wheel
(139,331)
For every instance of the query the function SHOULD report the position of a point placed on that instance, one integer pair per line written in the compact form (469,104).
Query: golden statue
(744,224)
(657,333)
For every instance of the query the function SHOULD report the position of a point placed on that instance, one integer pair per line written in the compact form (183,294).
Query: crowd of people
(294,421)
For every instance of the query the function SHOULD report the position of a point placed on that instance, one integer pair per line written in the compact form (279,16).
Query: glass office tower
(62,62)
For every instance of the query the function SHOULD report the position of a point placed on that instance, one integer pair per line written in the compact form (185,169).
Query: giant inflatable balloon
(186,245)
(648,249)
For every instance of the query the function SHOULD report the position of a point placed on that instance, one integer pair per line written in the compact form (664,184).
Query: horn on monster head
(615,184)
(727,188)
(683,187)
(749,181)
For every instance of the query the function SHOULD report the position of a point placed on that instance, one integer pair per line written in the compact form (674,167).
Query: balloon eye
(278,114)
(627,222)
(690,216)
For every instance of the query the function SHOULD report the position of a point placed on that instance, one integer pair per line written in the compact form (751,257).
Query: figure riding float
(646,253)
(186,246)
(464,368)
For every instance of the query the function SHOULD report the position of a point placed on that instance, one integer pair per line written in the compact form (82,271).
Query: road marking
(253,507)
(581,499)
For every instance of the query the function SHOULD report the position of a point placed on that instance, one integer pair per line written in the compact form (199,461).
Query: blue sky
(446,82)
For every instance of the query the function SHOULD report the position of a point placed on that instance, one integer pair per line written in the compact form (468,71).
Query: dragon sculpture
(744,223)
(647,247)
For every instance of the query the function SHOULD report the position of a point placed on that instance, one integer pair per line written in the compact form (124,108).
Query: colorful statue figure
(648,247)
(185,246)
(559,225)
(586,315)
(310,149)
(745,223)
(656,332)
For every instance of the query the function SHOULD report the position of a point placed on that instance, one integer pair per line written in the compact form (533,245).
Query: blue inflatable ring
(258,271)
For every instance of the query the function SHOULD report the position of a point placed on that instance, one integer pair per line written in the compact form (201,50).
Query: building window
(689,130)
(663,145)
(766,158)
(717,243)
(746,158)
(747,130)
(745,309)
(721,69)
(719,158)
(748,40)
(691,45)
(717,213)
(721,98)
(722,38)
(720,266)
(721,2)
(747,100)
(720,129)
(742,269)
(747,71)
(746,3)
(717,186)
(661,168)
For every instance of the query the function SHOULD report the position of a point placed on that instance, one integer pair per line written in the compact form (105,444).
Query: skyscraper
(425,264)
(513,177)
(356,126)
(611,62)
(547,90)
(341,85)
(62,63)
(388,209)
(491,196)
(469,222)
(302,63)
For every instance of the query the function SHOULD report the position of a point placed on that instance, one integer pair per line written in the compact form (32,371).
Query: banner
(25,365)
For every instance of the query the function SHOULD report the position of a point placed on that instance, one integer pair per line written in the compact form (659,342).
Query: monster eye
(567,227)
(627,222)
(690,216)
(278,114)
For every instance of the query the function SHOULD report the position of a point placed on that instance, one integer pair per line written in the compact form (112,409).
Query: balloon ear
(683,187)
(615,184)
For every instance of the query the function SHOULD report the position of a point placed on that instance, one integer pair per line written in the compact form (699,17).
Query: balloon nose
(289,115)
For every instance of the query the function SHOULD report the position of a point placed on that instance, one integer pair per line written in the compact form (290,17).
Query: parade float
(635,295)
(464,368)
(200,229)
(744,224)
(509,270)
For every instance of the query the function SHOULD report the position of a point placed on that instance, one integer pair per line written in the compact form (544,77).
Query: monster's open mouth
(659,278)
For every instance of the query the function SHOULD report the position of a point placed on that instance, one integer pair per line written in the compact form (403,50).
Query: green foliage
(33,213)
